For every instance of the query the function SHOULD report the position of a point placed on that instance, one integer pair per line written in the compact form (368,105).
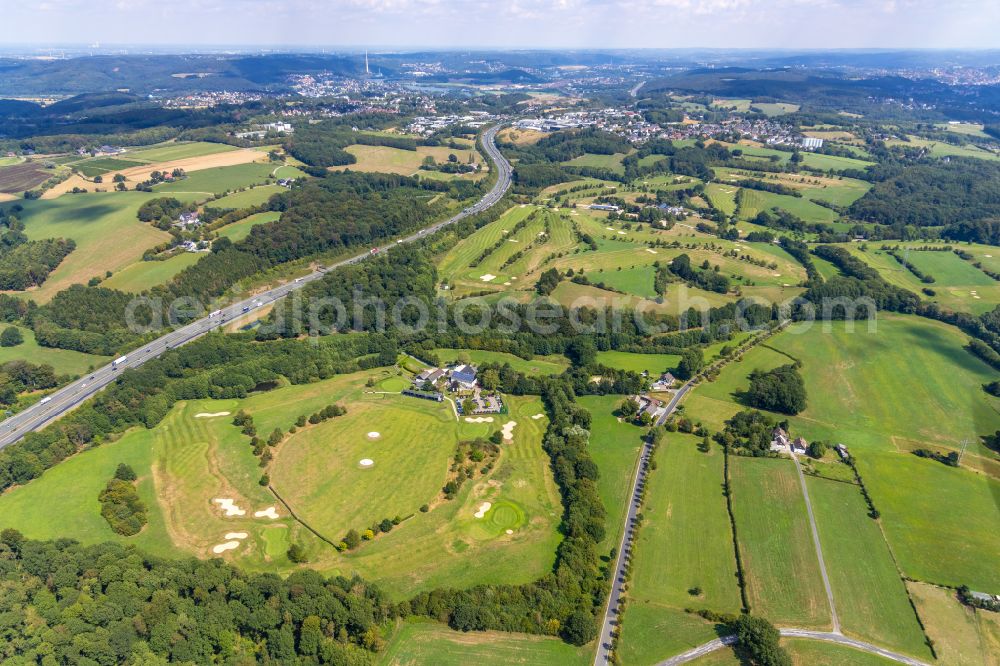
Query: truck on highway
(118,362)
(212,315)
(44,400)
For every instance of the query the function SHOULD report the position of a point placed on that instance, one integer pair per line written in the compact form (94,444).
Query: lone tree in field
(125,472)
(757,642)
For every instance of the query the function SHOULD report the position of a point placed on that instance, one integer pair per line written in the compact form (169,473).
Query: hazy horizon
(542,24)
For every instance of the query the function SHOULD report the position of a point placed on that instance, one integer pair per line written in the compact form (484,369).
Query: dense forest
(112,604)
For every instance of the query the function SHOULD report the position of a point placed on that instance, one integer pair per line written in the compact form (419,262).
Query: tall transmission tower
(367,71)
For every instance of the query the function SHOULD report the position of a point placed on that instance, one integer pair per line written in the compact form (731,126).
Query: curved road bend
(827,636)
(58,403)
(610,618)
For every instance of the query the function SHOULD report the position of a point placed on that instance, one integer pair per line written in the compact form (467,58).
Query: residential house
(799,445)
(842,450)
(654,407)
(779,440)
(664,383)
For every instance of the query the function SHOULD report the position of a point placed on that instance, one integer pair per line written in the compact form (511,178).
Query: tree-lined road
(63,400)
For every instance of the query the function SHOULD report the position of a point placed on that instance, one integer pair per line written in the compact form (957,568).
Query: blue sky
(509,23)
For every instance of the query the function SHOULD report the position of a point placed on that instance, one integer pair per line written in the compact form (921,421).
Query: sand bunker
(208,415)
(650,250)
(506,284)
(538,416)
(269,512)
(510,531)
(223,547)
(236,535)
(226,504)
(366,462)
(988,256)
(508,429)
(513,240)
(488,277)
(479,419)
(374,435)
(610,228)
(483,508)
(621,233)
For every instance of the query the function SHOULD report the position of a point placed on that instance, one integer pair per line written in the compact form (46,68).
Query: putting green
(505,515)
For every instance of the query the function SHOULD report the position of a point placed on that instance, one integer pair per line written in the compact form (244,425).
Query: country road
(66,398)
(819,547)
(608,622)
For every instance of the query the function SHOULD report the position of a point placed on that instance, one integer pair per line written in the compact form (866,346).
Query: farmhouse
(664,383)
(799,445)
(779,440)
(187,220)
(654,407)
(842,451)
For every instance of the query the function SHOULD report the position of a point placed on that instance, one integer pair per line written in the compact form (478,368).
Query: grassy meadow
(782,571)
(63,361)
(685,543)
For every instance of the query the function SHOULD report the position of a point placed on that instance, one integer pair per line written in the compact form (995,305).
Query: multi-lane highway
(71,395)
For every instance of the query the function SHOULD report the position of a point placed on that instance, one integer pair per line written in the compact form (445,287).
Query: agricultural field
(962,636)
(177,150)
(614,446)
(407,162)
(684,556)
(919,389)
(418,641)
(63,361)
(143,275)
(652,363)
(20,177)
(94,221)
(868,592)
(941,149)
(253,196)
(774,108)
(196,456)
(610,162)
(98,166)
(782,571)
(239,230)
(737,105)
(554,364)
(217,180)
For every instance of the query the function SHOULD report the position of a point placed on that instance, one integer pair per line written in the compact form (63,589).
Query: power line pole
(965,443)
